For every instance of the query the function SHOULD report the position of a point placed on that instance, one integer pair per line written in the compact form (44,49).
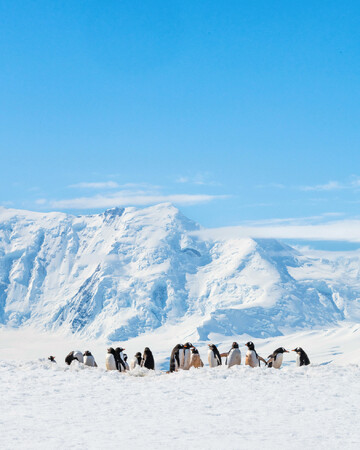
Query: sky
(238,112)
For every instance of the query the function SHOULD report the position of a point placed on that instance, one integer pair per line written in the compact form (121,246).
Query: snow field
(48,406)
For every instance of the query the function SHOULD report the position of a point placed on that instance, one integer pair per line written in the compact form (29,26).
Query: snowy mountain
(129,271)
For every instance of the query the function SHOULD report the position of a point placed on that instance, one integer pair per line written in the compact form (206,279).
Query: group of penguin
(185,356)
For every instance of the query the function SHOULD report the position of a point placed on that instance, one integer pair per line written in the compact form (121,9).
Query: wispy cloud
(128,198)
(95,185)
(352,183)
(200,179)
(346,230)
(314,228)
(330,186)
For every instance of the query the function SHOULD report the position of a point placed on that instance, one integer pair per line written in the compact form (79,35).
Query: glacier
(129,271)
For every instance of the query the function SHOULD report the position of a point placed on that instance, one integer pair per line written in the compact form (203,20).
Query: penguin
(214,357)
(110,360)
(125,361)
(195,360)
(119,357)
(276,358)
(89,360)
(74,355)
(175,357)
(302,358)
(136,361)
(233,356)
(252,358)
(185,363)
(52,359)
(148,359)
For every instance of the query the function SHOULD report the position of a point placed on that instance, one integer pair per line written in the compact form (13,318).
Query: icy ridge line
(130,271)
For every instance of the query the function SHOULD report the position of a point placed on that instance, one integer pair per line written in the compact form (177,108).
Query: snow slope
(128,272)
(47,406)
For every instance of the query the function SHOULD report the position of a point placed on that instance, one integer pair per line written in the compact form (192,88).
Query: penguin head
(51,358)
(138,355)
(250,345)
(280,350)
(212,347)
(125,357)
(87,353)
(111,350)
(194,350)
(119,349)
(188,345)
(147,350)
(297,350)
(235,345)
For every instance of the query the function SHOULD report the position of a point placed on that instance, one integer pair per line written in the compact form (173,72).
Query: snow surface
(128,272)
(48,406)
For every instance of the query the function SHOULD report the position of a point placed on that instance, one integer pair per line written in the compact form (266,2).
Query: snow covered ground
(48,406)
(52,406)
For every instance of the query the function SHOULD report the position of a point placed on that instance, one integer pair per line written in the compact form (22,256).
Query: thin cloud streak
(95,185)
(127,199)
(341,230)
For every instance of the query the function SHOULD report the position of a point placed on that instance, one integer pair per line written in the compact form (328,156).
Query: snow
(128,272)
(49,406)
(151,277)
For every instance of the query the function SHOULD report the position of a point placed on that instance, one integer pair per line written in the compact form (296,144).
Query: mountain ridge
(128,271)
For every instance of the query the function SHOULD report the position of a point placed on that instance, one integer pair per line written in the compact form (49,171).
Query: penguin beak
(293,350)
(287,351)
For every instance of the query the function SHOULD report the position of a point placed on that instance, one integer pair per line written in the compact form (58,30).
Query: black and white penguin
(89,360)
(252,359)
(214,357)
(110,359)
(234,356)
(136,361)
(195,360)
(119,357)
(52,359)
(148,359)
(74,355)
(185,360)
(276,358)
(125,361)
(302,358)
(177,351)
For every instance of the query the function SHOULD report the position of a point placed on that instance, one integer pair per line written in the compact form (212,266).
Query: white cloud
(339,230)
(41,201)
(96,185)
(330,186)
(200,179)
(128,198)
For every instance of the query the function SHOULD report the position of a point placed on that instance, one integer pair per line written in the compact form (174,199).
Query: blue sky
(237,112)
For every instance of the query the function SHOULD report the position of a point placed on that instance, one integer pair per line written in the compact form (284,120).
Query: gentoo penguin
(185,362)
(276,358)
(89,360)
(252,358)
(52,359)
(136,361)
(234,356)
(195,360)
(148,359)
(74,355)
(175,357)
(119,357)
(125,361)
(110,360)
(302,358)
(214,357)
